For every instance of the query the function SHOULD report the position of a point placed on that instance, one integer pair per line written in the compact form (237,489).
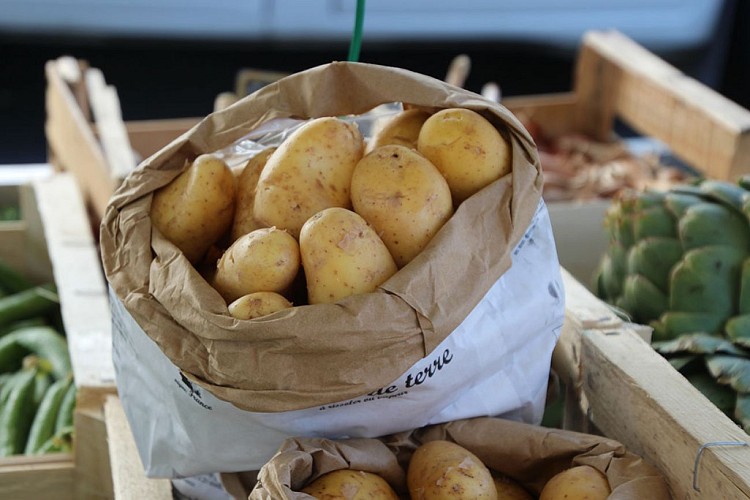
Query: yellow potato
(348,484)
(403,196)
(257,304)
(466,148)
(244,220)
(577,483)
(311,170)
(196,208)
(342,256)
(402,129)
(445,470)
(508,489)
(264,260)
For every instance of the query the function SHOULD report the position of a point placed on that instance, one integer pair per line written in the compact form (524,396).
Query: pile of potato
(445,470)
(326,211)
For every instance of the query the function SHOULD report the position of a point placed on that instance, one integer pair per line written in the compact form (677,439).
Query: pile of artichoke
(679,260)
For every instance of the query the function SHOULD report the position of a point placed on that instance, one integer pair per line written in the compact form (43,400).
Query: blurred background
(170,58)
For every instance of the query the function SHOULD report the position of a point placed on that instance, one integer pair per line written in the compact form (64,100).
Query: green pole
(356,42)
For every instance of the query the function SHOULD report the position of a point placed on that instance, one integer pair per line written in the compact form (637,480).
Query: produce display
(678,261)
(442,470)
(579,168)
(474,458)
(37,393)
(326,213)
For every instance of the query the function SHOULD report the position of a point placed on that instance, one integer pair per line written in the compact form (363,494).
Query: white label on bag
(496,363)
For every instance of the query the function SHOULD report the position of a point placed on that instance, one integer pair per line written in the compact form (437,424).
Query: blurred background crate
(169,59)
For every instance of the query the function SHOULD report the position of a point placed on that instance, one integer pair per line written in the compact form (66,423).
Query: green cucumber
(42,341)
(7,388)
(42,383)
(4,380)
(23,323)
(60,442)
(17,414)
(36,301)
(11,355)
(43,426)
(67,408)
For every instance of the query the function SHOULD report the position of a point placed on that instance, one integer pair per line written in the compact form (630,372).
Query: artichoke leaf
(654,221)
(713,224)
(642,299)
(731,370)
(673,324)
(707,280)
(731,195)
(698,343)
(722,396)
(737,330)
(654,258)
(742,411)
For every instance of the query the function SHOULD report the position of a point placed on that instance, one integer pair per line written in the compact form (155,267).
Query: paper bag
(465,329)
(528,454)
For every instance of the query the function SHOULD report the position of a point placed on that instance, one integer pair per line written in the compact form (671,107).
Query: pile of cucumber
(37,393)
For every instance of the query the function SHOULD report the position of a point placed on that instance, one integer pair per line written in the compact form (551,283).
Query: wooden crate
(616,383)
(617,79)
(628,392)
(53,241)
(87,136)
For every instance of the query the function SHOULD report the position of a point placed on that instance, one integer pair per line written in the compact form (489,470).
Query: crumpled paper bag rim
(280,362)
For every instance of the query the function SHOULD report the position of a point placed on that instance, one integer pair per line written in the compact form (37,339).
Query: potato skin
(445,470)
(258,304)
(403,196)
(466,148)
(196,208)
(402,129)
(342,256)
(508,489)
(264,260)
(348,484)
(579,482)
(311,170)
(247,180)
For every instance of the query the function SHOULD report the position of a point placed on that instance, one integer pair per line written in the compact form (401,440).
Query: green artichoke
(679,260)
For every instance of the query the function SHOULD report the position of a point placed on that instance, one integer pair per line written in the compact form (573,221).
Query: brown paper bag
(526,453)
(188,319)
(316,357)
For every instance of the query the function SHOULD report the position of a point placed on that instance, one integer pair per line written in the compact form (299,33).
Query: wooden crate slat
(105,105)
(72,143)
(617,77)
(37,478)
(637,398)
(128,478)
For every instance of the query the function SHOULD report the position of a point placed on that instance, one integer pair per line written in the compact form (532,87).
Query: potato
(257,304)
(196,208)
(508,489)
(445,470)
(466,148)
(311,170)
(348,484)
(402,129)
(342,256)
(577,483)
(244,220)
(264,260)
(403,196)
